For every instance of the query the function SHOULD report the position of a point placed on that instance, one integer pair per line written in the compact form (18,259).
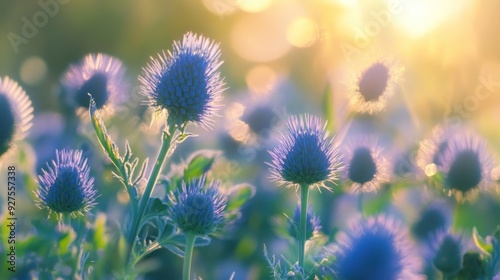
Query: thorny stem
(160,160)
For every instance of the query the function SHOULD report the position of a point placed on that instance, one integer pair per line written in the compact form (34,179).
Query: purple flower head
(185,81)
(99,75)
(15,113)
(376,248)
(365,165)
(434,218)
(466,166)
(431,151)
(305,155)
(446,250)
(66,186)
(198,209)
(373,85)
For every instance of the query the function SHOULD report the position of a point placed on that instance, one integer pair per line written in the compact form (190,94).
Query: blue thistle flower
(16,114)
(431,150)
(260,118)
(373,82)
(196,209)
(446,251)
(375,248)
(66,186)
(313,223)
(466,165)
(101,75)
(371,87)
(305,155)
(434,218)
(366,166)
(186,82)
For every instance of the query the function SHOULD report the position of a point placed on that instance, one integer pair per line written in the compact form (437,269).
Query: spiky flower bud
(372,86)
(375,248)
(446,252)
(15,113)
(198,209)
(305,155)
(432,219)
(101,76)
(66,186)
(185,81)
(366,166)
(466,165)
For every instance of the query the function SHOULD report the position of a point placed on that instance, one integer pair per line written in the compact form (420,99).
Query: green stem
(188,255)
(67,219)
(360,203)
(64,221)
(160,159)
(304,191)
(456,215)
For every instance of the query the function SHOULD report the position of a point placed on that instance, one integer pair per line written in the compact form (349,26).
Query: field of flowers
(250,139)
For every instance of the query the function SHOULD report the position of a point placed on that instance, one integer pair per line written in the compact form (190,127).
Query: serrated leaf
(199,163)
(183,136)
(174,249)
(487,248)
(105,140)
(128,152)
(142,172)
(239,195)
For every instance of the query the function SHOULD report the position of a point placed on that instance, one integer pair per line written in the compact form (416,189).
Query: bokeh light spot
(430,169)
(33,70)
(302,32)
(254,6)
(261,79)
(417,18)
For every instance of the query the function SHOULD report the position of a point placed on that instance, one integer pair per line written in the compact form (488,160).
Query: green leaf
(100,237)
(239,195)
(438,178)
(180,240)
(65,241)
(487,248)
(199,163)
(174,249)
(105,140)
(156,205)
(183,136)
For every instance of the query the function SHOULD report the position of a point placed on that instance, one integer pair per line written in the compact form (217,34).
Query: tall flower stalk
(160,160)
(304,191)
(304,158)
(185,83)
(197,211)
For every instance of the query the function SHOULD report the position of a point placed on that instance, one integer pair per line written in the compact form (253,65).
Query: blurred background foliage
(281,57)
